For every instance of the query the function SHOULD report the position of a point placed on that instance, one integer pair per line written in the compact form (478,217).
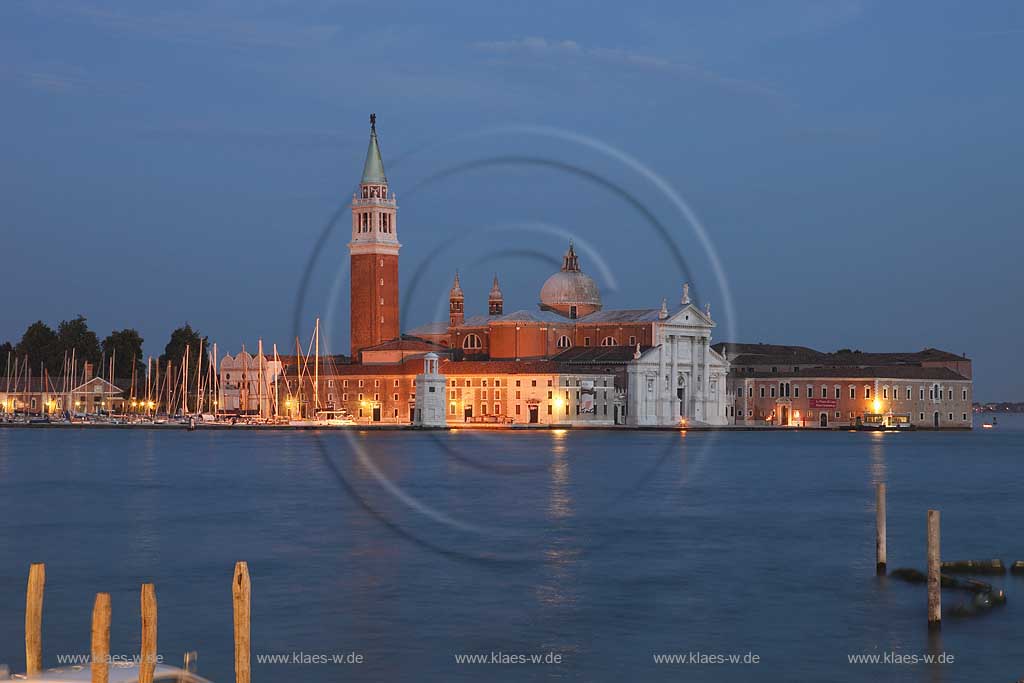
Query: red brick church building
(569,361)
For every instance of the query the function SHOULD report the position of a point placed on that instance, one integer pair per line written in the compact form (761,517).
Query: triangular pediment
(97,385)
(689,316)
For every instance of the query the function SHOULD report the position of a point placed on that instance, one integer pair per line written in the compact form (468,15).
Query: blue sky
(855,164)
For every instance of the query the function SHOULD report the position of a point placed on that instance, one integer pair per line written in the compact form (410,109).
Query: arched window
(609,341)
(563,342)
(472,341)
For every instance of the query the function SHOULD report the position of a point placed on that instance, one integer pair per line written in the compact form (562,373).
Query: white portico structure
(680,378)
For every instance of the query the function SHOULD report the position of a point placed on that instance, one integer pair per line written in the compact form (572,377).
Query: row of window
(376,383)
(376,397)
(853,416)
(473,341)
(497,382)
(483,382)
(518,408)
(786,390)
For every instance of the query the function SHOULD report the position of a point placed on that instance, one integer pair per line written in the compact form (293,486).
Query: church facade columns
(671,383)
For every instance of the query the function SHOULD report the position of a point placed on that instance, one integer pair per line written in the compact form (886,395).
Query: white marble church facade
(680,379)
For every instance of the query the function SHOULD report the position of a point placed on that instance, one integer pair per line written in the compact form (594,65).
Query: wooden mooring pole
(934,564)
(147,661)
(34,619)
(880,529)
(240,593)
(101,639)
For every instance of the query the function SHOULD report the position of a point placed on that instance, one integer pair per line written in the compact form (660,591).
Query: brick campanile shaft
(373,254)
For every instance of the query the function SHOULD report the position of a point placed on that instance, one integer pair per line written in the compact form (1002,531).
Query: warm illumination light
(559,403)
(877,405)
(363,404)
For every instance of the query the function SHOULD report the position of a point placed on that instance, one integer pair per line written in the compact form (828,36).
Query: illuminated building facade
(568,362)
(795,386)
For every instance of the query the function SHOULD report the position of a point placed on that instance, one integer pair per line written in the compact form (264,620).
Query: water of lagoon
(605,548)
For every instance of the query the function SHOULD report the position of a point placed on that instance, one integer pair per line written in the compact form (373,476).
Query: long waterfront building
(796,386)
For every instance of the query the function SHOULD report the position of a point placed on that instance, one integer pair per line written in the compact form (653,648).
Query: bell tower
(373,255)
(456,304)
(495,300)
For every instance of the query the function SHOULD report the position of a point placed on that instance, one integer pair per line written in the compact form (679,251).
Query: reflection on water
(146,540)
(636,543)
(560,505)
(937,667)
(878,444)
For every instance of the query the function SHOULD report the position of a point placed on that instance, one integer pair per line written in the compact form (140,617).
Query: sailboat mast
(71,389)
(259,376)
(111,374)
(216,381)
(243,388)
(199,379)
(7,394)
(298,371)
(277,372)
(184,382)
(316,370)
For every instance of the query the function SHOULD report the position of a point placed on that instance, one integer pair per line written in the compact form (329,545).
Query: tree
(124,346)
(75,336)
(7,356)
(41,345)
(182,338)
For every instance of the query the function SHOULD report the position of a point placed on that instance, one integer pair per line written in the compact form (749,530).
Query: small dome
(570,288)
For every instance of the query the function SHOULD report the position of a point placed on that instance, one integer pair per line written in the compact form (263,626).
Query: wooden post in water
(934,580)
(240,592)
(34,619)
(147,661)
(880,529)
(101,639)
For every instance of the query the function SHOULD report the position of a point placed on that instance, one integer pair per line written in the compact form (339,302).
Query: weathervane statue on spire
(373,121)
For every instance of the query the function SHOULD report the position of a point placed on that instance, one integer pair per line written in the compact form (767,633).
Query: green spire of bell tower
(373,169)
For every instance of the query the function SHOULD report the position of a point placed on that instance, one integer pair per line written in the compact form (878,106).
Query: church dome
(570,292)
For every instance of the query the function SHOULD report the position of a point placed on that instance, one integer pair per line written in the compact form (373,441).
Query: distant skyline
(856,164)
